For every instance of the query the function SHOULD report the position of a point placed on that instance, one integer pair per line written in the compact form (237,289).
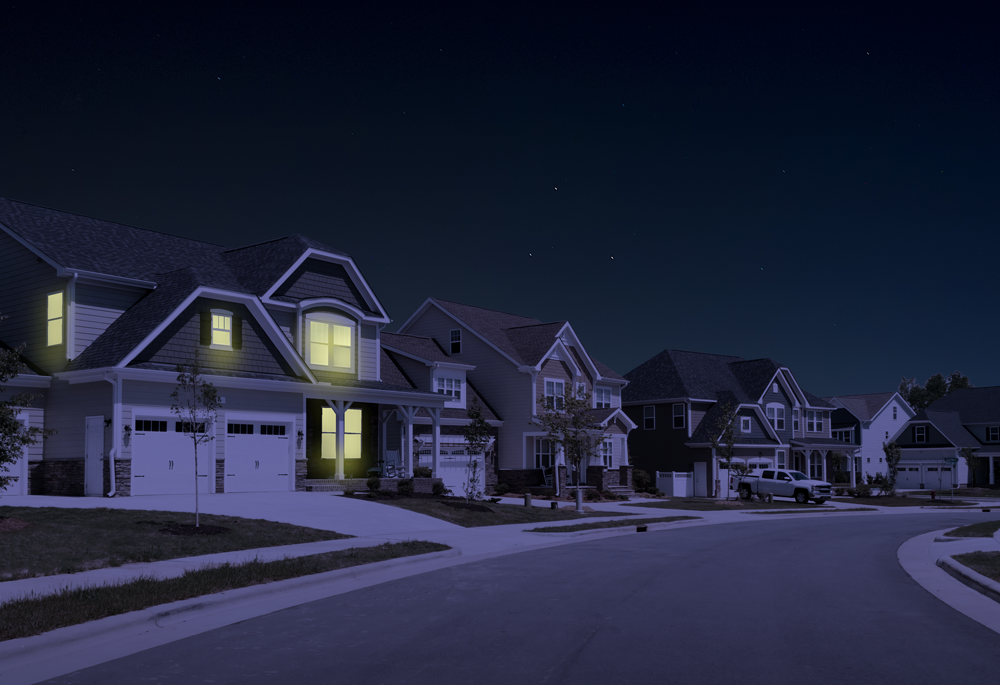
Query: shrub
(501,489)
(438,488)
(422,472)
(592,495)
(405,486)
(640,480)
(547,492)
(864,490)
(852,492)
(839,492)
(374,483)
(349,492)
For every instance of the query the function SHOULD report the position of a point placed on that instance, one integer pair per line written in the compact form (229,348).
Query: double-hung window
(451,387)
(776,416)
(602,398)
(456,341)
(679,413)
(555,391)
(993,433)
(545,453)
(814,421)
(54,319)
(795,419)
(222,330)
(746,424)
(649,418)
(607,455)
(352,434)
(330,342)
(920,434)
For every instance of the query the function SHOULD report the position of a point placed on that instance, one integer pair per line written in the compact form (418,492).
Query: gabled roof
(702,434)
(393,373)
(754,375)
(864,407)
(976,405)
(534,341)
(260,266)
(950,425)
(416,346)
(817,401)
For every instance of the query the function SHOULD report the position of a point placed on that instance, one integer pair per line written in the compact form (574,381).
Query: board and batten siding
(495,377)
(66,413)
(96,308)
(25,281)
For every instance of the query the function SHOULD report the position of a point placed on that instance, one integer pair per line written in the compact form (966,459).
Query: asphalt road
(822,600)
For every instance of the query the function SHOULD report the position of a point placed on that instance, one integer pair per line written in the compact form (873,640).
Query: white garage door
(17,470)
(908,477)
(257,456)
(163,459)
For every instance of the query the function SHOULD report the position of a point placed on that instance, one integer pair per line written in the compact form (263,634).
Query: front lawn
(479,514)
(706,504)
(35,615)
(985,563)
(983,529)
(610,524)
(41,541)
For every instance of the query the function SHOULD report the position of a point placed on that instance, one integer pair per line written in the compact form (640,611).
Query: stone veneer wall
(220,475)
(123,477)
(522,478)
(60,477)
(301,468)
(625,476)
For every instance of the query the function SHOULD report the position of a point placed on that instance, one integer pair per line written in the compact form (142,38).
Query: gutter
(116,426)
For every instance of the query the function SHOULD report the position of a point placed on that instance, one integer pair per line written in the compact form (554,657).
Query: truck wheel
(819,500)
(801,496)
(745,492)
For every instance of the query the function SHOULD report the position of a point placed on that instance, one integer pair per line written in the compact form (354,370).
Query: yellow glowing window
(330,344)
(54,319)
(222,329)
(352,434)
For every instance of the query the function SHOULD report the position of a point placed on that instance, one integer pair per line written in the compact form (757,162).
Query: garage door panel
(258,455)
(163,460)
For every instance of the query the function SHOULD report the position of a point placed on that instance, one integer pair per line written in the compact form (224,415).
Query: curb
(619,530)
(972,579)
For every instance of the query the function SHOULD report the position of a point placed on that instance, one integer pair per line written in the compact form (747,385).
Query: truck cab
(785,483)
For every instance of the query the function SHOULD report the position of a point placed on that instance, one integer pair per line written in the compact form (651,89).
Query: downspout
(116,426)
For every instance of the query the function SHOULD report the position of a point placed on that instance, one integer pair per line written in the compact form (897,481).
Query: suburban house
(869,421)
(677,399)
(515,364)
(288,331)
(933,442)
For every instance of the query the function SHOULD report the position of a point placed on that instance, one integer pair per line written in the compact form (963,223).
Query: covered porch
(815,456)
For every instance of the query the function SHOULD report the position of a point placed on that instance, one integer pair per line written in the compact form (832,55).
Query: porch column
(340,408)
(383,430)
(408,413)
(822,463)
(436,421)
(991,471)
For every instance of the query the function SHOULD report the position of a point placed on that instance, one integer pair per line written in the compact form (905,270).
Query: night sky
(818,188)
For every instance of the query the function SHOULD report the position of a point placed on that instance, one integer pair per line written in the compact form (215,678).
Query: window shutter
(237,331)
(913,434)
(206,328)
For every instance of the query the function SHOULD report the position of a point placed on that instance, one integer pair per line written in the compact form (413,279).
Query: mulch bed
(191,529)
(469,507)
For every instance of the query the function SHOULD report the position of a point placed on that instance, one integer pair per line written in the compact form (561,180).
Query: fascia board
(583,351)
(559,344)
(262,315)
(102,279)
(34,250)
(799,396)
(796,388)
(336,302)
(428,302)
(163,376)
(346,262)
(674,400)
(426,421)
(24,381)
(415,315)
(452,365)
(619,414)
(428,362)
(341,392)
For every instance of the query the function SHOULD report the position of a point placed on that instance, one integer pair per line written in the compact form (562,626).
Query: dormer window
(993,433)
(920,434)
(222,330)
(602,398)
(330,342)
(776,416)
(54,319)
(746,425)
(555,391)
(456,341)
(451,387)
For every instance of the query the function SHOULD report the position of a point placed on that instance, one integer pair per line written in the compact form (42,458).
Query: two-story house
(288,331)
(869,422)
(933,444)
(677,398)
(516,363)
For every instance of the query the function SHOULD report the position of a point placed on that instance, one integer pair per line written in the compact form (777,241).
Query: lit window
(746,424)
(452,387)
(602,398)
(331,344)
(222,329)
(648,418)
(776,416)
(456,341)
(54,319)
(554,393)
(678,416)
(920,434)
(352,434)
(544,453)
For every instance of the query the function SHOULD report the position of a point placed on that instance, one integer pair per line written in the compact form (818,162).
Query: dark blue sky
(815,186)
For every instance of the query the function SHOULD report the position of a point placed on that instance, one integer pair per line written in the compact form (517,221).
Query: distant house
(516,363)
(287,330)
(964,419)
(869,421)
(677,398)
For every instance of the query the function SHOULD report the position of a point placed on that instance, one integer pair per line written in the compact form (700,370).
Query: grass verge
(705,504)
(50,540)
(809,511)
(983,529)
(592,525)
(984,563)
(900,502)
(494,514)
(34,615)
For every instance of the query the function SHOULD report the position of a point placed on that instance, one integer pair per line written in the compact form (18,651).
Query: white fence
(676,483)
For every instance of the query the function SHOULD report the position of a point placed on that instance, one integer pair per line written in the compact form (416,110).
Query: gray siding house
(288,331)
(866,423)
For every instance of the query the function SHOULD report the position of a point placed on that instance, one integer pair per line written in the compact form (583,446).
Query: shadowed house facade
(677,398)
(868,422)
(288,331)
(515,363)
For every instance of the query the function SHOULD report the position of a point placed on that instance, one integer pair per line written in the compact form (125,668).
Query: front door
(94,457)
(700,479)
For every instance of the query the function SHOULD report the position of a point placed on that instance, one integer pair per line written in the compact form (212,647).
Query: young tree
(570,425)
(477,436)
(723,439)
(971,461)
(13,436)
(892,457)
(196,403)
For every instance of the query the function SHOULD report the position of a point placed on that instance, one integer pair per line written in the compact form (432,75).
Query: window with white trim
(776,416)
(814,421)
(781,459)
(545,453)
(54,319)
(679,411)
(456,341)
(607,454)
(451,387)
(774,388)
(222,330)
(993,433)
(555,391)
(843,435)
(746,424)
(894,410)
(795,419)
(920,434)
(330,342)
(649,418)
(602,397)
(815,466)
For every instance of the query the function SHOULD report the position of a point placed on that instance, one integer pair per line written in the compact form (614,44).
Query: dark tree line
(937,386)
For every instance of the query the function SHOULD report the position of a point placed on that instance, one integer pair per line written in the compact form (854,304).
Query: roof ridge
(485,309)
(263,242)
(533,325)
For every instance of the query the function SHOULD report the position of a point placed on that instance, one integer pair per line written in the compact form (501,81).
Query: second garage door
(163,459)
(258,455)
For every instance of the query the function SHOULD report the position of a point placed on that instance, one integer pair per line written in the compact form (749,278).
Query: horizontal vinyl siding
(367,353)
(146,393)
(66,412)
(24,284)
(698,411)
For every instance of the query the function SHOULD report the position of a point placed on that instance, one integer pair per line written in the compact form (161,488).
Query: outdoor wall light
(107,423)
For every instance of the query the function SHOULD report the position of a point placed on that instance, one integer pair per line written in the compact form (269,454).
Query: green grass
(72,540)
(808,511)
(985,563)
(983,529)
(34,615)
(610,524)
(498,515)
(899,501)
(706,504)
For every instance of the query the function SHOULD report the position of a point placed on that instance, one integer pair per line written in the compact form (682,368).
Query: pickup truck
(782,483)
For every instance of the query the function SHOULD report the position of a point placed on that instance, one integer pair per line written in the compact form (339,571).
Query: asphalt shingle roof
(865,407)
(532,342)
(260,266)
(418,346)
(976,405)
(392,373)
(950,424)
